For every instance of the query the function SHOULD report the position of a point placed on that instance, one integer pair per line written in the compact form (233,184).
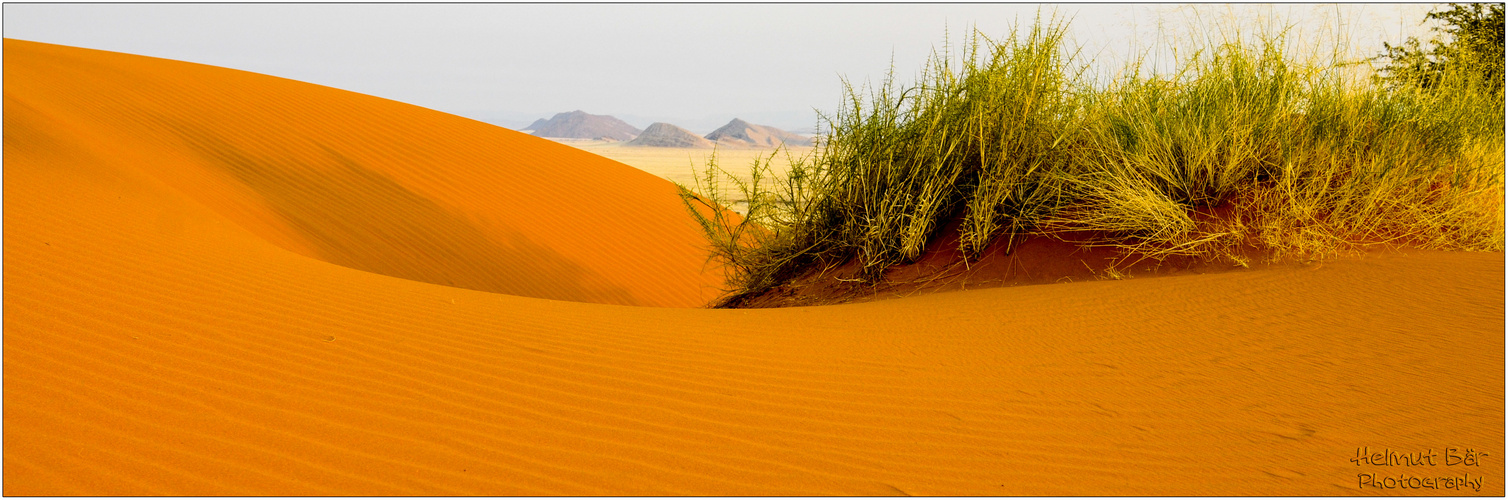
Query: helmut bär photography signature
(1454,479)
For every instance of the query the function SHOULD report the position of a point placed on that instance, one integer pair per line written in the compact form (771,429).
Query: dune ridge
(377,185)
(160,342)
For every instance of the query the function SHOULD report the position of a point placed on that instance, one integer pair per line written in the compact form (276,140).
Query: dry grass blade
(1243,144)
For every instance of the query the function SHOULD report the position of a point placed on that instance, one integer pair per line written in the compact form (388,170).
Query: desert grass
(1247,144)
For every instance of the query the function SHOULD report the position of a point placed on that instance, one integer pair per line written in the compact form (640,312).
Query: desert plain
(225,283)
(683,165)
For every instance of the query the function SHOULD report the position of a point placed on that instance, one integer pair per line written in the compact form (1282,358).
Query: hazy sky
(694,65)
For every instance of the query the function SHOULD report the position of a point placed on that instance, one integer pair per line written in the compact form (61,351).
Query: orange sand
(166,331)
(372,184)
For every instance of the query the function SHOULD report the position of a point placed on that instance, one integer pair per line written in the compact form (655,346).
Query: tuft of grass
(1244,145)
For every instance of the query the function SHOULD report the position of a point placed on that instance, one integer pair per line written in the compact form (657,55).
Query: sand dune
(377,185)
(181,318)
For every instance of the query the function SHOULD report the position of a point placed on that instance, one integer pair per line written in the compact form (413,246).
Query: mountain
(535,126)
(665,135)
(580,125)
(742,133)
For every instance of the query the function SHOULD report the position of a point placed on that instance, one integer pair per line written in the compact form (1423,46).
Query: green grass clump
(1010,139)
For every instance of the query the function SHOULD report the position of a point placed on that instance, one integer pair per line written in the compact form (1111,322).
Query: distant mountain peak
(579,124)
(665,135)
(742,133)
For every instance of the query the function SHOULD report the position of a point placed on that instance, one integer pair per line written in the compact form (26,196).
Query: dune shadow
(357,217)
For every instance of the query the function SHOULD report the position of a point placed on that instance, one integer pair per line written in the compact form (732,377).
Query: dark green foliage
(1472,45)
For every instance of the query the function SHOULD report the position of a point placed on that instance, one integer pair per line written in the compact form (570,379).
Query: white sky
(694,65)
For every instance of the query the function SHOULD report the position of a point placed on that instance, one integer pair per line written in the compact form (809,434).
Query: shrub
(1010,140)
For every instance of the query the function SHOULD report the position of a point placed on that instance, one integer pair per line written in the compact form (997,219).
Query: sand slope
(374,184)
(158,343)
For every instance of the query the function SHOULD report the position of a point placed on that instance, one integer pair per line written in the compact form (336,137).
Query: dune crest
(379,185)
